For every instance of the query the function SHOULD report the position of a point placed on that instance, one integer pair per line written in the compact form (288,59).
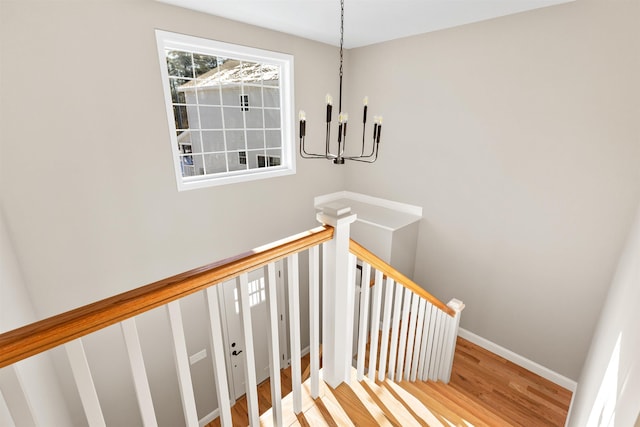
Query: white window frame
(168,41)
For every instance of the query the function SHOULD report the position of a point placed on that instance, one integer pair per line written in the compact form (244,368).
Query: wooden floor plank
(485,390)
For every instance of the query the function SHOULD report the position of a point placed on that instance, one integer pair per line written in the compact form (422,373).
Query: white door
(259,321)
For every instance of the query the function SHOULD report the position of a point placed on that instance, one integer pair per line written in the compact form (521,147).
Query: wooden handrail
(362,253)
(45,334)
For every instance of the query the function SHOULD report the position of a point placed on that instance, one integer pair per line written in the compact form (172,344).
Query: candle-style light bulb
(345,118)
(329,107)
(365,101)
(329,99)
(303,123)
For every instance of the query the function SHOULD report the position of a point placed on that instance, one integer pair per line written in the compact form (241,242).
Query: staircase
(412,332)
(485,390)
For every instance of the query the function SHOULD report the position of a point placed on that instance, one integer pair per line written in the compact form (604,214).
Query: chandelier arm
(305,155)
(366,159)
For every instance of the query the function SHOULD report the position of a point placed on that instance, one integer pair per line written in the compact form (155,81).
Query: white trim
(303,353)
(573,397)
(209,417)
(519,360)
(363,198)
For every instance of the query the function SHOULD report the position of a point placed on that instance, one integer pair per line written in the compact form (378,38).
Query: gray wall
(519,137)
(87,180)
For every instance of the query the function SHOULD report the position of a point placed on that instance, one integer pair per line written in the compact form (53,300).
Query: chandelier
(367,154)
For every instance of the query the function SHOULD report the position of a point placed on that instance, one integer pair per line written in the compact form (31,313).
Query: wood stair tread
(487,415)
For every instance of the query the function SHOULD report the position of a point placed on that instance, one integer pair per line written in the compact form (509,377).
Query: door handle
(236,352)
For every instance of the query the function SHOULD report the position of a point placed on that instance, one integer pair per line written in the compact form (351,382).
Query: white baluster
(16,399)
(395,330)
(412,335)
(314,320)
(138,371)
(182,364)
(274,343)
(446,328)
(403,333)
(218,356)
(84,383)
(375,325)
(250,360)
(364,318)
(386,320)
(417,349)
(430,330)
(437,347)
(294,331)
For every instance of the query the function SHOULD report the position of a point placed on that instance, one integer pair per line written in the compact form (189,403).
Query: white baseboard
(528,364)
(209,417)
(303,352)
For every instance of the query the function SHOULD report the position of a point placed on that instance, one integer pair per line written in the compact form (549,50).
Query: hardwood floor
(485,390)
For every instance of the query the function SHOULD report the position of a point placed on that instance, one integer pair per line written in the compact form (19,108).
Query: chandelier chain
(341,32)
(341,52)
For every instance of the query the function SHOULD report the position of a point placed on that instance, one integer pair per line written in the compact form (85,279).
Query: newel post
(337,297)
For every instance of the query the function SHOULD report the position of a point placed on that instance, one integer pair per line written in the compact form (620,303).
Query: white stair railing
(68,329)
(410,334)
(417,333)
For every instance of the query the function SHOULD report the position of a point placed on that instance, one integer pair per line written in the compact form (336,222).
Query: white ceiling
(366,21)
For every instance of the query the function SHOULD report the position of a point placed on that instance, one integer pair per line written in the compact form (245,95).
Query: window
(230,110)
(257,293)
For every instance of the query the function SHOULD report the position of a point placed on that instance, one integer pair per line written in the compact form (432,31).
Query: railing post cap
(456,305)
(335,214)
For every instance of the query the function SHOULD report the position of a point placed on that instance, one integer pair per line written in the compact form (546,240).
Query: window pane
(272,118)
(177,95)
(234,159)
(273,157)
(209,95)
(255,95)
(256,159)
(192,113)
(255,139)
(191,165)
(212,141)
(235,140)
(270,75)
(215,163)
(273,138)
(231,95)
(179,64)
(233,118)
(180,116)
(191,140)
(210,117)
(251,72)
(271,97)
(254,118)
(204,64)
